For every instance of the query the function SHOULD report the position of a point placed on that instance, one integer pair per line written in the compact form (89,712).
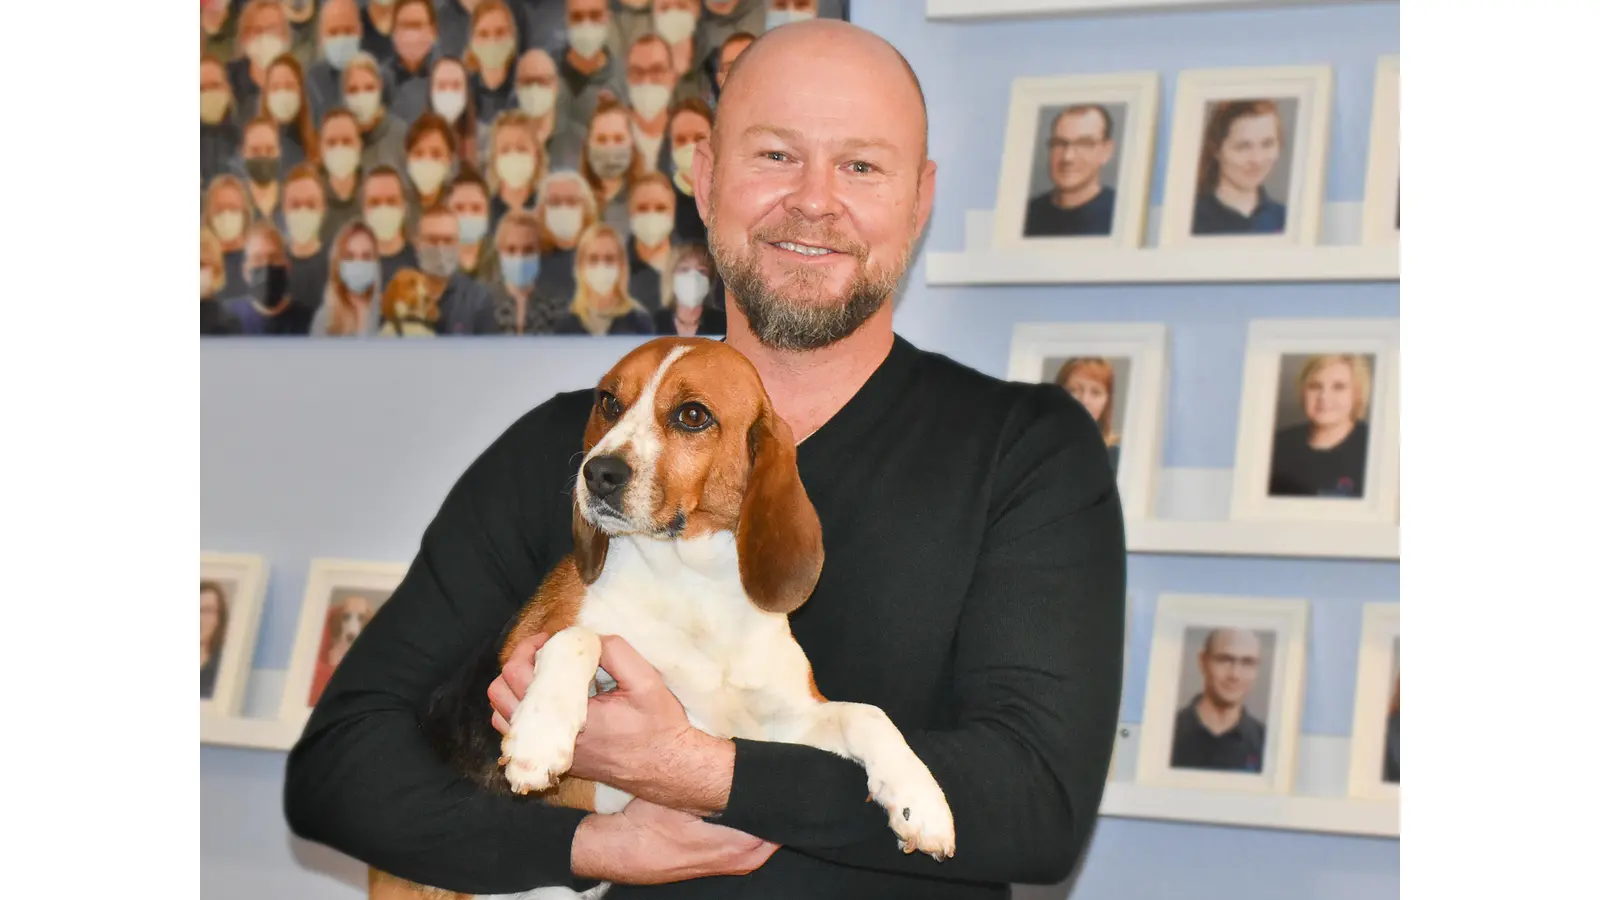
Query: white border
(1269,340)
(1380,627)
(248,574)
(1014,9)
(1313,86)
(1141,93)
(1175,613)
(326,576)
(1383,157)
(1145,344)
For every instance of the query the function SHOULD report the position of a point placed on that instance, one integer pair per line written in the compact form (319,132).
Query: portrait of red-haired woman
(1092,380)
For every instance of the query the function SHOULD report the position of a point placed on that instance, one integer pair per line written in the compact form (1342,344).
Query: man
(973,584)
(1079,205)
(1215,731)
(465,306)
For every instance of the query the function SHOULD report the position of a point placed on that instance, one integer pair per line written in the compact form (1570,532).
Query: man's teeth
(801,248)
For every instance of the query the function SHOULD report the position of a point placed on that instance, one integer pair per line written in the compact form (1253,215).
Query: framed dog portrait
(1375,728)
(1248,157)
(1118,371)
(1381,208)
(1319,421)
(1223,696)
(341,597)
(232,589)
(1077,164)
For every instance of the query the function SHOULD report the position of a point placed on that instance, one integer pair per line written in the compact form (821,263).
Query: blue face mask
(338,51)
(520,271)
(358,274)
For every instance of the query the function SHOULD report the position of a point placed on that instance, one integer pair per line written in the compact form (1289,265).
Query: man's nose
(606,475)
(814,196)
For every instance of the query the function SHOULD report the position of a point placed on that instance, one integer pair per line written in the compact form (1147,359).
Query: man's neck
(1073,198)
(1215,718)
(587,65)
(808,388)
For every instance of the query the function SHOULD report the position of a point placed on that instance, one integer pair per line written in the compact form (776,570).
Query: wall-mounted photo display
(1375,727)
(341,598)
(1381,209)
(1118,372)
(1223,698)
(1248,157)
(1319,423)
(233,587)
(1077,165)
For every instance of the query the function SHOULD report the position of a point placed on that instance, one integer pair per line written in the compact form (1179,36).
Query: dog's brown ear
(779,536)
(589,545)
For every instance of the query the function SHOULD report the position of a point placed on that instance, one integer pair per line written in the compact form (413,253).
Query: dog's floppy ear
(589,545)
(779,535)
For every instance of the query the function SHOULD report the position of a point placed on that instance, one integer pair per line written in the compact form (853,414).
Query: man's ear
(589,545)
(779,536)
(700,175)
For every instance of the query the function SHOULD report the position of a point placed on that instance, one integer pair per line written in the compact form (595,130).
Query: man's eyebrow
(793,136)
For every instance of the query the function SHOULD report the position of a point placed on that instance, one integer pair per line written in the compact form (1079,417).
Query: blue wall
(311,449)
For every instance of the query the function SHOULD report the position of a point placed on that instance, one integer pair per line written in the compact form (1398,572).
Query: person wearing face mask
(302,16)
(455,24)
(515,165)
(490,55)
(383,137)
(685,289)
(566,208)
(650,217)
(261,163)
(285,103)
(677,22)
(338,42)
(469,200)
(602,304)
(214,317)
(723,60)
(585,71)
(630,20)
(430,160)
(340,153)
(406,73)
(227,214)
(464,304)
(519,306)
(350,297)
(609,162)
(651,85)
(304,208)
(450,97)
(267,308)
(536,94)
(219,125)
(263,37)
(383,208)
(783,12)
(690,124)
(377,29)
(219,29)
(720,20)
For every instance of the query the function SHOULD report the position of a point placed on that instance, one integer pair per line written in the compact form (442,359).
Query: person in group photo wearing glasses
(1215,730)
(1242,143)
(1080,144)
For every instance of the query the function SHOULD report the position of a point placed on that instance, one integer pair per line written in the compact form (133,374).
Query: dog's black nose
(606,475)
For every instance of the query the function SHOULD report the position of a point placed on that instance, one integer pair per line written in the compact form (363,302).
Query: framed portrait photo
(1319,423)
(1118,371)
(1248,157)
(233,587)
(1381,208)
(341,598)
(1375,728)
(1077,163)
(1223,698)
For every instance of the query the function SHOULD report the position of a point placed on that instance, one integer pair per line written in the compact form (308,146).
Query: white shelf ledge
(257,725)
(1015,9)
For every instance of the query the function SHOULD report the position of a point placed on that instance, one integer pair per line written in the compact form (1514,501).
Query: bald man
(973,588)
(1214,730)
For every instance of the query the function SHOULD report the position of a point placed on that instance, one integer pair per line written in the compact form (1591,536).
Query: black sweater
(973,588)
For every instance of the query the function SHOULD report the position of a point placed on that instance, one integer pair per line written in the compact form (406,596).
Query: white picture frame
(1377,686)
(1296,180)
(1176,678)
(1380,210)
(328,579)
(1137,410)
(1273,479)
(242,581)
(1132,102)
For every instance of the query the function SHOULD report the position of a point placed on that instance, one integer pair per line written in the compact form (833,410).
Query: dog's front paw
(538,748)
(918,811)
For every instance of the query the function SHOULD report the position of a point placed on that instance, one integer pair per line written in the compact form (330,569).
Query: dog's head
(682,441)
(408,300)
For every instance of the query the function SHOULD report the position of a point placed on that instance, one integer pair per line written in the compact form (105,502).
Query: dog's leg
(539,745)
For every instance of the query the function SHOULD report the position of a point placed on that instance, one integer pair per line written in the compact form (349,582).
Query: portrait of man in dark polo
(1075,195)
(1222,727)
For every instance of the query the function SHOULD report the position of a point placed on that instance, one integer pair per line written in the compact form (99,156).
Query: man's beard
(794,320)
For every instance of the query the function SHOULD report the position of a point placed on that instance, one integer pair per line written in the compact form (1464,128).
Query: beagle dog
(409,308)
(693,539)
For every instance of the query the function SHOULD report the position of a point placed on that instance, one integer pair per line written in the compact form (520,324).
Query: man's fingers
(501,725)
(623,663)
(518,670)
(502,699)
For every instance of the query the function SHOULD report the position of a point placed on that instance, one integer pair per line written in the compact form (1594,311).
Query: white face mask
(364,105)
(689,288)
(427,174)
(303,225)
(649,99)
(493,54)
(450,104)
(341,161)
(385,221)
(675,25)
(776,17)
(227,225)
(651,228)
(563,221)
(213,106)
(588,38)
(683,159)
(536,99)
(283,105)
(601,278)
(266,48)
(515,168)
(338,51)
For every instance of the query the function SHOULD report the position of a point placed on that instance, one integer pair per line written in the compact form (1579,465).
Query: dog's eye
(693,416)
(610,406)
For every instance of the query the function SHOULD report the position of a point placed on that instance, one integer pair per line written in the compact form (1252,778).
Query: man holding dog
(973,587)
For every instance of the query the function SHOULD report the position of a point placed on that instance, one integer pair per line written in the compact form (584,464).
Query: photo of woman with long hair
(1240,151)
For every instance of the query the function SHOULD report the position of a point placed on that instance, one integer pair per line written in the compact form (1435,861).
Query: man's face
(730,52)
(468,199)
(817,190)
(383,190)
(650,63)
(339,19)
(587,12)
(341,131)
(260,142)
(413,32)
(1078,150)
(1230,666)
(302,194)
(439,230)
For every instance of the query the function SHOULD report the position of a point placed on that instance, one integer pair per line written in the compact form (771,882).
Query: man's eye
(861,168)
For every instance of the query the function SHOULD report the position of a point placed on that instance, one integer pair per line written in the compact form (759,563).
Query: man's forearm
(693,773)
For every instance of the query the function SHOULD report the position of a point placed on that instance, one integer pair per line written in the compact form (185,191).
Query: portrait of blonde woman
(214,317)
(602,304)
(213,630)
(1320,446)
(610,161)
(686,284)
(348,305)
(1241,183)
(1092,381)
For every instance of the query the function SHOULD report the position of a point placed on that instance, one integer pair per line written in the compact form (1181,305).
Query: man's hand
(637,737)
(650,844)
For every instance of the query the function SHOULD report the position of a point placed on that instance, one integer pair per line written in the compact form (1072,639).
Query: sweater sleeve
(1037,685)
(362,779)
